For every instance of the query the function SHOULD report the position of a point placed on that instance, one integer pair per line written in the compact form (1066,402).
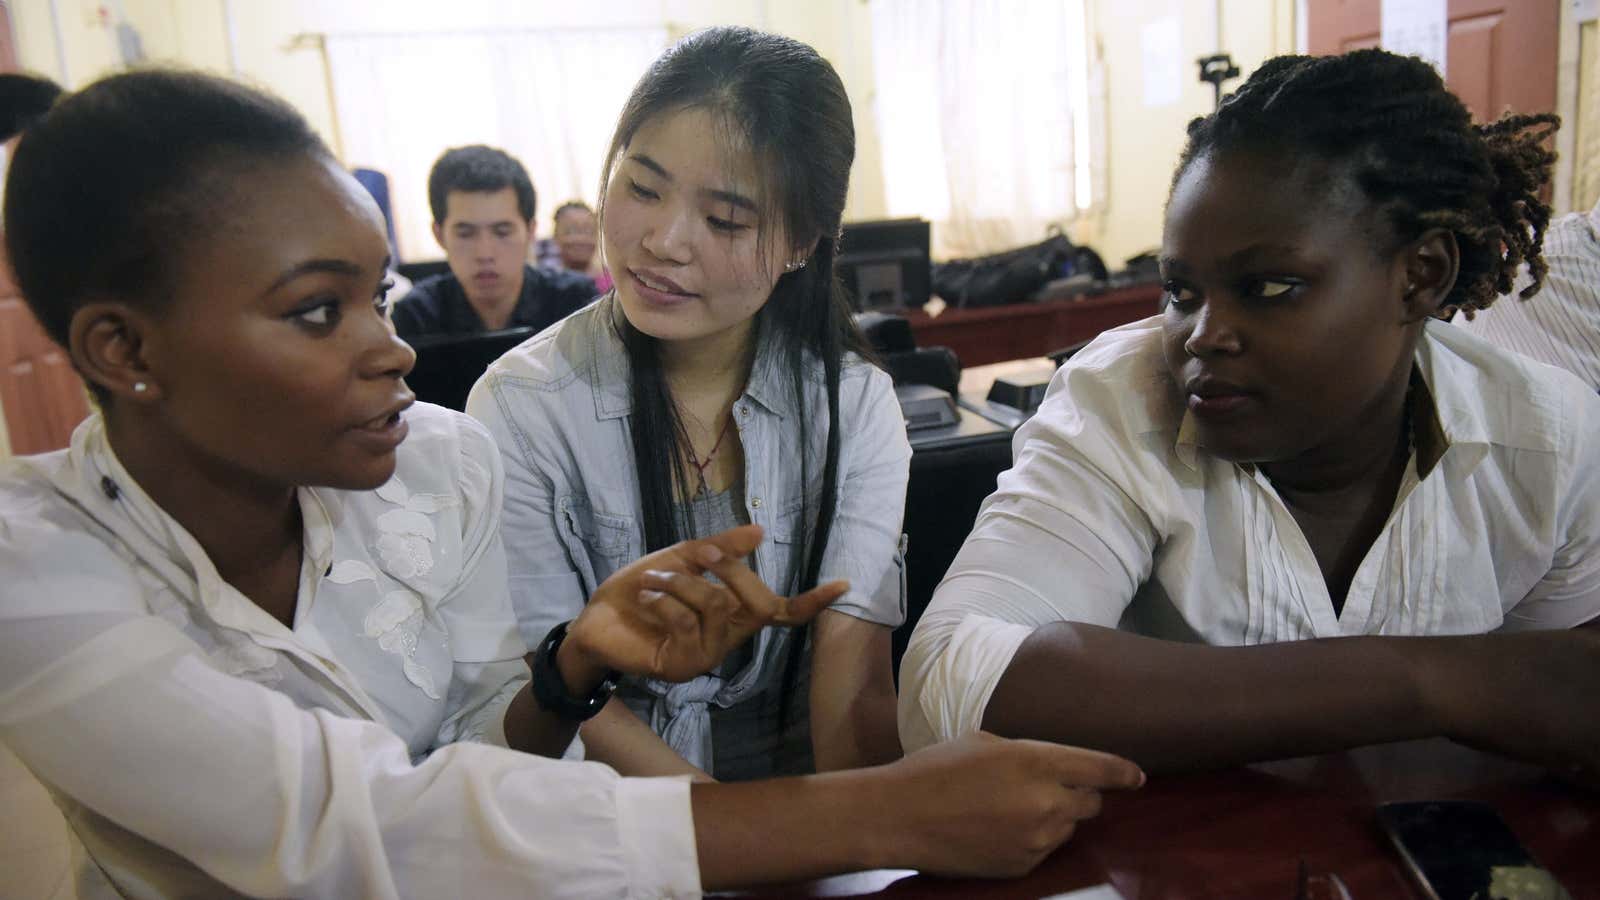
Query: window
(549,97)
(983,114)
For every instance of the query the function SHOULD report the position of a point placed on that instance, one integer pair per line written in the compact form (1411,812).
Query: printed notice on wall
(1162,51)
(1417,28)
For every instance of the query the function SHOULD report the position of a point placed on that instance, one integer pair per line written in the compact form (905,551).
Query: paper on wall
(1417,28)
(1161,45)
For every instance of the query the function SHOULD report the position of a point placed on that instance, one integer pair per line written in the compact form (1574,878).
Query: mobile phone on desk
(1462,850)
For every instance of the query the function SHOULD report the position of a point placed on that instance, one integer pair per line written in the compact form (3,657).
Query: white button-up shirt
(1560,325)
(1113,516)
(201,748)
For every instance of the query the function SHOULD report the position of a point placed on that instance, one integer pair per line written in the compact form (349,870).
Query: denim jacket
(558,406)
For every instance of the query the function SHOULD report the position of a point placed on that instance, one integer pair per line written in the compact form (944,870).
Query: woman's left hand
(659,617)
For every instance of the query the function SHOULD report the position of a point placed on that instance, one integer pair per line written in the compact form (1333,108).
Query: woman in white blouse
(721,382)
(1296,513)
(255,633)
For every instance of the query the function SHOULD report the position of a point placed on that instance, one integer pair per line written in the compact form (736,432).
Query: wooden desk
(1020,330)
(1242,833)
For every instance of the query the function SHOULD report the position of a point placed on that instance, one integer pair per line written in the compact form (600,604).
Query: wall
(272,42)
(261,46)
(1143,142)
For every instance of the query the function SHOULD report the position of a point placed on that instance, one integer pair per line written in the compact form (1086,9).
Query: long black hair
(1414,151)
(783,103)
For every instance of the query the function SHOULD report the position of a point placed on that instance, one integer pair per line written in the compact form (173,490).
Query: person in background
(723,381)
(483,207)
(1563,327)
(577,242)
(23,98)
(255,635)
(1297,513)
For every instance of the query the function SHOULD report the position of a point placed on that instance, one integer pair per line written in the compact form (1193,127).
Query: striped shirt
(1560,325)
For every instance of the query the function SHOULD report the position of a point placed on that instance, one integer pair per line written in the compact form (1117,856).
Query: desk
(1241,833)
(1020,330)
(952,469)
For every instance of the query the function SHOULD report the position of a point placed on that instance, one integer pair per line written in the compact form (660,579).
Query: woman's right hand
(990,807)
(658,617)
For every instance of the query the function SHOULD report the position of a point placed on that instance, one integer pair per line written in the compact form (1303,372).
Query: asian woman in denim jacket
(721,382)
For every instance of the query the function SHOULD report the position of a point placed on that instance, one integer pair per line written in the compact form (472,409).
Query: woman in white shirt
(723,381)
(255,633)
(1296,513)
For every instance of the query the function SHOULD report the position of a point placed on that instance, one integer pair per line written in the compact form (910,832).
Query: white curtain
(548,97)
(982,110)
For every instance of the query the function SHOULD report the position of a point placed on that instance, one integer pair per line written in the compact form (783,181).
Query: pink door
(42,396)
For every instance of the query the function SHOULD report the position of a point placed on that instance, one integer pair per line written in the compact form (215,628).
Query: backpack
(1015,275)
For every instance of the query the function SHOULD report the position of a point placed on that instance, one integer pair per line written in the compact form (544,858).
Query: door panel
(1500,54)
(42,396)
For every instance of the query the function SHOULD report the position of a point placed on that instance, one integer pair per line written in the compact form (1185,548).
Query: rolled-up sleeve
(875,464)
(1569,593)
(119,711)
(1061,539)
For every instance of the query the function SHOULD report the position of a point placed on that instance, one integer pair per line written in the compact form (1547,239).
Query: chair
(891,336)
(448,365)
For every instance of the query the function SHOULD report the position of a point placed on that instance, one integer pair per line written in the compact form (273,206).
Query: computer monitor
(448,365)
(884,264)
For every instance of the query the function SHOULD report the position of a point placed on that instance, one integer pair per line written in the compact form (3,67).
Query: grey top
(748,740)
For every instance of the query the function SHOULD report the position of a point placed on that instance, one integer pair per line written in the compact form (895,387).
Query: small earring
(795,266)
(140,387)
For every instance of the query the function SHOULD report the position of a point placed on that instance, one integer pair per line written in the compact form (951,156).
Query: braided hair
(1412,148)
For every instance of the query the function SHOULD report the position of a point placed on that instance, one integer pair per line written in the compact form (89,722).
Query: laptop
(448,365)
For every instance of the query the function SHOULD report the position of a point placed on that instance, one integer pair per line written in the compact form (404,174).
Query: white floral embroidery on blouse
(405,548)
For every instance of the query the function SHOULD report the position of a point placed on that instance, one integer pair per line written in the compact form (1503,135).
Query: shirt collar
(95,477)
(611,375)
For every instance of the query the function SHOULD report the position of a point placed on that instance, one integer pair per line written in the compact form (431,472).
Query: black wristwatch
(551,691)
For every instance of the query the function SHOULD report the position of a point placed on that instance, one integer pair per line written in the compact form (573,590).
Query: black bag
(1015,275)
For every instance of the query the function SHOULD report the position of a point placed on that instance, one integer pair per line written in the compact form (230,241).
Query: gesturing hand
(659,617)
(990,807)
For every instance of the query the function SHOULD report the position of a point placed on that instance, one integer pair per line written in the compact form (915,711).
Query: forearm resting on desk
(617,738)
(852,699)
(975,806)
(1172,706)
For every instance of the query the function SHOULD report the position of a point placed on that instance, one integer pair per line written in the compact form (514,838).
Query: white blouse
(200,748)
(1111,515)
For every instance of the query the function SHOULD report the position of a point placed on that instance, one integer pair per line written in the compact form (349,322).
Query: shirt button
(755,502)
(744,412)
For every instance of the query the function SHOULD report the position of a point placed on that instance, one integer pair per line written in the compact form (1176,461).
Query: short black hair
(106,189)
(478,168)
(567,206)
(1412,148)
(23,98)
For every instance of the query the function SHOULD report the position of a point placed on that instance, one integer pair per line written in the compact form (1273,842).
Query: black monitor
(885,264)
(448,365)
(416,271)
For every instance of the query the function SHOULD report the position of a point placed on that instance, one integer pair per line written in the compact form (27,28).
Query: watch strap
(550,690)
